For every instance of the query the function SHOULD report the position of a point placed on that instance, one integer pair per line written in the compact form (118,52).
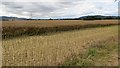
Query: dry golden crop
(22,28)
(54,23)
(53,49)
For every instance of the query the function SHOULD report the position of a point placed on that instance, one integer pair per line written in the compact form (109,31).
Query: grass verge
(102,54)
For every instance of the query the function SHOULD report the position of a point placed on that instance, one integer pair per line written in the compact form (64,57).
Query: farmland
(55,42)
(53,23)
(31,28)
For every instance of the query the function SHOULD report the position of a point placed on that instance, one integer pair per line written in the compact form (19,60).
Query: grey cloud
(44,8)
(61,8)
(18,8)
(70,0)
(12,5)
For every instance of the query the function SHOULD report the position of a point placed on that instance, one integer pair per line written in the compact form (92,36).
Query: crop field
(13,29)
(60,42)
(53,23)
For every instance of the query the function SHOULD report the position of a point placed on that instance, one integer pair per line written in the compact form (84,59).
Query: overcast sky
(58,8)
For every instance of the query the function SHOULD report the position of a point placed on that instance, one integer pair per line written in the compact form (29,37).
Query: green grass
(97,55)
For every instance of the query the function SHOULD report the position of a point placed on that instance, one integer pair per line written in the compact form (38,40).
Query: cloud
(58,8)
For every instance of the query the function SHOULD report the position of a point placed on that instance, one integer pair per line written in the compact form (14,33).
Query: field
(53,23)
(51,43)
(30,28)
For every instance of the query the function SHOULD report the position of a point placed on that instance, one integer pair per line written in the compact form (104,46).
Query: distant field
(54,23)
(56,49)
(22,28)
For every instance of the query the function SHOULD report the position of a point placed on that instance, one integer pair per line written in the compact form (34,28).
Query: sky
(58,8)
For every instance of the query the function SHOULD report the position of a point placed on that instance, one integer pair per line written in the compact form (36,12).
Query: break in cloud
(58,8)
